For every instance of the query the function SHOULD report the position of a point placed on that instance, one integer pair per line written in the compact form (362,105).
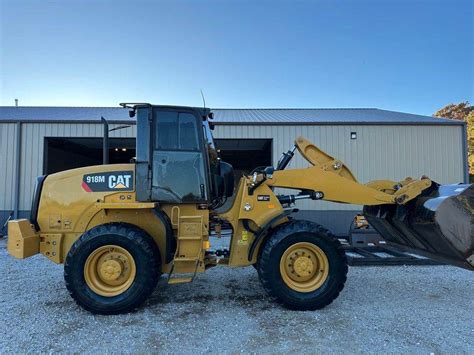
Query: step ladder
(189,249)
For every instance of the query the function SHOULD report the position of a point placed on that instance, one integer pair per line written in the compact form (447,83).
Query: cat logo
(110,181)
(119,181)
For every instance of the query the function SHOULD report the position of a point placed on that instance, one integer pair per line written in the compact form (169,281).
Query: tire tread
(265,262)
(135,235)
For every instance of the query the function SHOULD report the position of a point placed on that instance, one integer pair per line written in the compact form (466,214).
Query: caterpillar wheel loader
(118,228)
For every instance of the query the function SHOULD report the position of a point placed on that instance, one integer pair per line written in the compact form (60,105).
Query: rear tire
(112,268)
(302,266)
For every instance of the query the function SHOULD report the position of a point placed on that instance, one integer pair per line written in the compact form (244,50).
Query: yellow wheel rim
(304,267)
(109,270)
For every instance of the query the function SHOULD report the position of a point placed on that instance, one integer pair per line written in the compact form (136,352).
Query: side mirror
(210,115)
(131,113)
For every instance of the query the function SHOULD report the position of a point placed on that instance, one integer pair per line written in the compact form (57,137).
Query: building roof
(227,116)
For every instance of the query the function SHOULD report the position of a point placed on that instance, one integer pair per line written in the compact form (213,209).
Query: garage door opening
(69,153)
(245,154)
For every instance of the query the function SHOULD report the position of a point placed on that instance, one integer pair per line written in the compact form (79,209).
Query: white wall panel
(379,152)
(7,165)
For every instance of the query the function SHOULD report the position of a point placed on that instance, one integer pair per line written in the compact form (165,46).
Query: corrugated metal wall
(7,165)
(379,152)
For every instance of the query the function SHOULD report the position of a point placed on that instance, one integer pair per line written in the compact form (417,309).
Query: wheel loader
(117,228)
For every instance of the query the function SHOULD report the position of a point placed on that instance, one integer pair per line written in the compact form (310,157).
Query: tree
(455,111)
(462,111)
(470,142)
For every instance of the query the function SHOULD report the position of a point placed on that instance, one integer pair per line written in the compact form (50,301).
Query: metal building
(375,144)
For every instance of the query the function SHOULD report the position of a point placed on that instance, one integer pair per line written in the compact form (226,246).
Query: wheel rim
(109,270)
(304,267)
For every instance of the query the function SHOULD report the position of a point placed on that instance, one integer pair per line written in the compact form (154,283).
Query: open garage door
(68,153)
(245,154)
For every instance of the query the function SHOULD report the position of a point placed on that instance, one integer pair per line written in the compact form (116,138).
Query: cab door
(179,163)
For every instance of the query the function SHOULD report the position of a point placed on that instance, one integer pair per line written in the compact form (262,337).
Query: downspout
(17,171)
(464,153)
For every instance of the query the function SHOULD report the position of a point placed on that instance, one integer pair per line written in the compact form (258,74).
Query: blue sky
(411,56)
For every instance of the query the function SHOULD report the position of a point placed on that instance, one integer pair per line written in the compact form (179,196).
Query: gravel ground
(424,309)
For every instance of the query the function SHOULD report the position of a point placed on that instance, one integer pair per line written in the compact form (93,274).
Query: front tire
(302,266)
(112,268)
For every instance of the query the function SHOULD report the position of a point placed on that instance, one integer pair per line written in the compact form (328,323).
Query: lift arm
(331,177)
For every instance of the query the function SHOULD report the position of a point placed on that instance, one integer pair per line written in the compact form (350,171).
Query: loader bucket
(438,224)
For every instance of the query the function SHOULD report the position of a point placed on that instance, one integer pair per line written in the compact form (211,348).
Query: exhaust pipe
(105,142)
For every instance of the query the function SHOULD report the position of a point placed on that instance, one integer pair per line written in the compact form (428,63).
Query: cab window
(176,131)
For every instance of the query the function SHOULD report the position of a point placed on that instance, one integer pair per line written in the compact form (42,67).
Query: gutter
(261,123)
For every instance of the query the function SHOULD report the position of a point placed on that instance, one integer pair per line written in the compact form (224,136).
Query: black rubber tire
(269,265)
(147,261)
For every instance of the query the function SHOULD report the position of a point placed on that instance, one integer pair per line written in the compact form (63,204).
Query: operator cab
(177,161)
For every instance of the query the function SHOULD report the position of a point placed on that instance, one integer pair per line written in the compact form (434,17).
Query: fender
(263,232)
(170,240)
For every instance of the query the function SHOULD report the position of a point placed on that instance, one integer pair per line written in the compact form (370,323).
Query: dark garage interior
(245,154)
(69,153)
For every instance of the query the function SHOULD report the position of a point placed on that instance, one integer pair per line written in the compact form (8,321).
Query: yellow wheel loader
(117,228)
